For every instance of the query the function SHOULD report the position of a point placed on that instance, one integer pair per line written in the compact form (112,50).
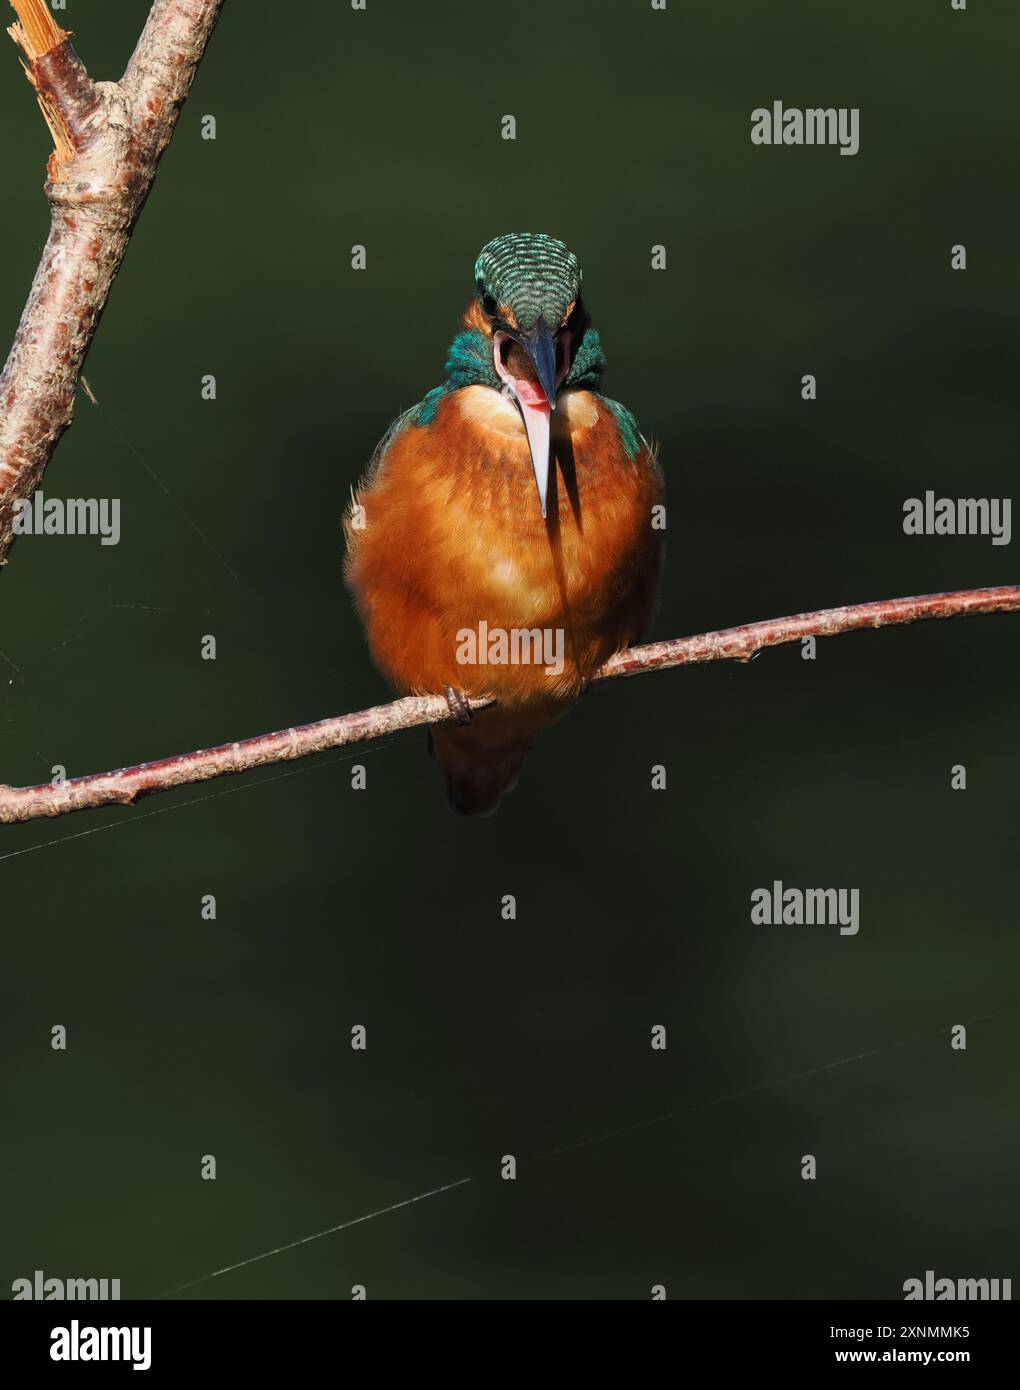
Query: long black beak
(540,345)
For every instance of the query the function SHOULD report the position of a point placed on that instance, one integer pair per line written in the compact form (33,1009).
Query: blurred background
(379,907)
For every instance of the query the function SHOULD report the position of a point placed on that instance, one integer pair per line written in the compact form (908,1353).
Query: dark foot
(458,706)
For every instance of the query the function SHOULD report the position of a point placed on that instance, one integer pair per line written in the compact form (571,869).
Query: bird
(506,538)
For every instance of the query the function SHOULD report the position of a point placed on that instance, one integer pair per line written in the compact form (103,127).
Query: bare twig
(108,137)
(732,644)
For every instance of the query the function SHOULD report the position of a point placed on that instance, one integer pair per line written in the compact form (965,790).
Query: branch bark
(126,785)
(108,138)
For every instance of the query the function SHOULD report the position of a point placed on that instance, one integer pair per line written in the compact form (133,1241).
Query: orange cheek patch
(474,317)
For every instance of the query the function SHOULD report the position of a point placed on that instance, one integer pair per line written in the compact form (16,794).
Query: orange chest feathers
(448,534)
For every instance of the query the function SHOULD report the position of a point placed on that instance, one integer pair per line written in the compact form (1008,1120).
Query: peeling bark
(108,139)
(125,786)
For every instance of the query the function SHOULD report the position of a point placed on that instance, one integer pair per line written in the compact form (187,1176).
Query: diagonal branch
(732,644)
(108,138)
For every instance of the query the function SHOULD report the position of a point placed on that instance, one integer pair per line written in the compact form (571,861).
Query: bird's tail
(482,760)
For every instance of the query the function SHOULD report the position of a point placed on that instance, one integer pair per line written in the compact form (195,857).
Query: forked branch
(125,786)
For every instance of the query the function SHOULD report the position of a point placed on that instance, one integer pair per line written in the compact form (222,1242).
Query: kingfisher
(505,540)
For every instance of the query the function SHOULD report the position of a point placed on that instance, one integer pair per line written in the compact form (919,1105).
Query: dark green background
(380,907)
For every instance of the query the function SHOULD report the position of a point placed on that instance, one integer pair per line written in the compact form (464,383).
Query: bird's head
(529,289)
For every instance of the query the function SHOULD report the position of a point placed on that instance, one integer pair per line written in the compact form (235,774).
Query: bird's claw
(456,702)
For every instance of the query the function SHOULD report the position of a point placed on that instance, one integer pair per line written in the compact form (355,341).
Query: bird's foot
(458,706)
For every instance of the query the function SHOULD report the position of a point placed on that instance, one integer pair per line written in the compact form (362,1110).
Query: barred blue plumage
(535,273)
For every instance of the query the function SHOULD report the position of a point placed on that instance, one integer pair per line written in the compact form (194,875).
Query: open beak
(535,400)
(540,345)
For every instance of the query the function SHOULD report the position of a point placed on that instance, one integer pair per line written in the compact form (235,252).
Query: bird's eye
(489,304)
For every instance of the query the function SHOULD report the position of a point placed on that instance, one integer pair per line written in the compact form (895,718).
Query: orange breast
(454,543)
